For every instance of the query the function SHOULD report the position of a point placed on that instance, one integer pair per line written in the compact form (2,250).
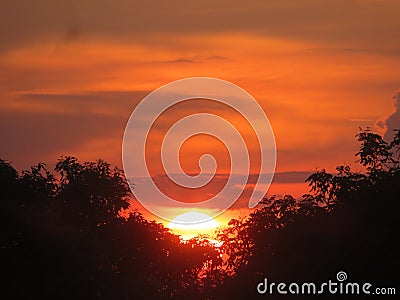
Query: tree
(64,237)
(348,221)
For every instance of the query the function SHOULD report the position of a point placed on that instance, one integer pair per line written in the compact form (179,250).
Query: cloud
(291,177)
(187,195)
(103,102)
(393,121)
(350,22)
(181,60)
(41,127)
(32,137)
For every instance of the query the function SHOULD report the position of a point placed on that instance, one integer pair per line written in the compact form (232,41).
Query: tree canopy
(63,234)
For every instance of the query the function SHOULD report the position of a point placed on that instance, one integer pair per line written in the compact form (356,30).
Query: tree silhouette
(63,235)
(348,221)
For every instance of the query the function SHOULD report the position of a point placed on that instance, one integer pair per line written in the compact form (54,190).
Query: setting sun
(190,224)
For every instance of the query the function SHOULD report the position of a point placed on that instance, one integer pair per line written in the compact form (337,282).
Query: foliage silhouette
(349,221)
(63,235)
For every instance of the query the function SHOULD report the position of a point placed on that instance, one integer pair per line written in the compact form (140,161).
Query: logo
(146,121)
(329,287)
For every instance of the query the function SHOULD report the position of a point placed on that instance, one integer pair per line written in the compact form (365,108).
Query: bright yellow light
(190,224)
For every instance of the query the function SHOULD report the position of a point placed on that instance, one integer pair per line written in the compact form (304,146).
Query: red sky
(71,73)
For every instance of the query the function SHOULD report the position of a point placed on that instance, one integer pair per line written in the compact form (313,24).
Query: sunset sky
(71,73)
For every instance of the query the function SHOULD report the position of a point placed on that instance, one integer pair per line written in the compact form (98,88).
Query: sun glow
(191,224)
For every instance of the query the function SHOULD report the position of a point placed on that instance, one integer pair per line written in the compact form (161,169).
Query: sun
(190,224)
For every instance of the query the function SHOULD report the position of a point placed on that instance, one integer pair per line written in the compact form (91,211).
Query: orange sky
(71,73)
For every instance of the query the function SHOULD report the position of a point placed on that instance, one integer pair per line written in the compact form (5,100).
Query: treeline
(63,236)
(349,222)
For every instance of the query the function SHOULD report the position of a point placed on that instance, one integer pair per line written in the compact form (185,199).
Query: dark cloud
(181,60)
(29,138)
(46,126)
(116,102)
(215,186)
(350,22)
(279,177)
(291,177)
